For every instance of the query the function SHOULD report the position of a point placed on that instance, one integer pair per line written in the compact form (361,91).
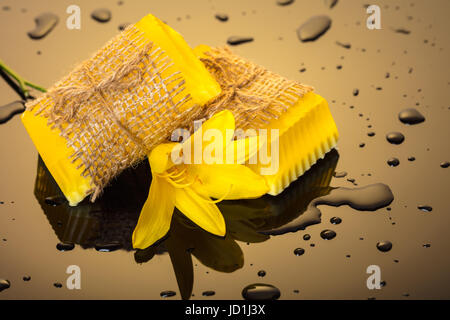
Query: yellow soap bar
(55,149)
(307,132)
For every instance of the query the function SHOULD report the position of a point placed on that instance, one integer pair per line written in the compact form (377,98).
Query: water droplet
(328,234)
(123,26)
(340,174)
(26,278)
(306,237)
(371,134)
(65,246)
(284,2)
(261,273)
(383,283)
(330,3)
(299,251)
(335,220)
(384,246)
(55,200)
(57,285)
(355,92)
(8,111)
(260,291)
(427,245)
(313,28)
(222,17)
(425,208)
(167,294)
(236,40)
(368,198)
(393,162)
(107,247)
(395,137)
(208,293)
(445,164)
(4,284)
(411,116)
(362,145)
(402,31)
(44,24)
(411,158)
(101,15)
(345,45)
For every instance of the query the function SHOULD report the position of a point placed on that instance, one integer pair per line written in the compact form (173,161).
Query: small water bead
(340,174)
(393,162)
(355,92)
(306,237)
(101,15)
(57,285)
(223,17)
(44,24)
(261,291)
(299,251)
(65,246)
(425,208)
(335,220)
(313,28)
(26,278)
(237,40)
(261,273)
(167,294)
(395,137)
(208,293)
(107,247)
(284,2)
(384,246)
(328,234)
(4,284)
(362,145)
(55,200)
(445,164)
(411,159)
(411,116)
(427,245)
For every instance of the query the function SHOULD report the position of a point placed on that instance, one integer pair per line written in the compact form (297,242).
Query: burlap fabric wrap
(115,107)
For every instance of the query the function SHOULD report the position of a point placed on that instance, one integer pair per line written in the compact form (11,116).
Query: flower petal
(233,180)
(195,204)
(222,123)
(160,157)
(156,215)
(241,150)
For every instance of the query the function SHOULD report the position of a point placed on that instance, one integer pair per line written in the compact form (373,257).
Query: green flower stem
(21,81)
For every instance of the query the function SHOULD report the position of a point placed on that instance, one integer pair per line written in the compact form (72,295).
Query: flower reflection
(112,218)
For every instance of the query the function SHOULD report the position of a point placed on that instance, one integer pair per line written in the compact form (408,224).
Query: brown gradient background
(323,272)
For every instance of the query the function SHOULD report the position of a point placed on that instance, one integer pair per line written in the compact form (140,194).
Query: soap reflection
(110,221)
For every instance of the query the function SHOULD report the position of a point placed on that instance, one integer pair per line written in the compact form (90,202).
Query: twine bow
(68,99)
(233,85)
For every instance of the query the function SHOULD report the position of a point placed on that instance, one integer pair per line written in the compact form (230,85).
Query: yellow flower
(190,187)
